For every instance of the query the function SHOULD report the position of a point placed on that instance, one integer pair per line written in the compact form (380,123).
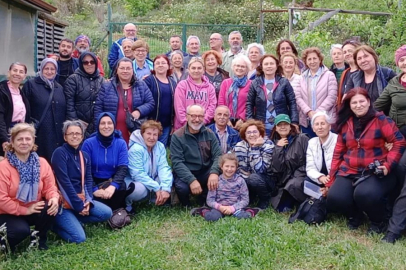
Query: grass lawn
(168,238)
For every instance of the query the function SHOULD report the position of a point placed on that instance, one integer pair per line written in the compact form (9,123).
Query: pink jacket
(187,93)
(242,98)
(9,183)
(326,96)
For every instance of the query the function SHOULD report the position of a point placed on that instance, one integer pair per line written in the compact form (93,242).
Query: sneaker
(377,227)
(34,239)
(198,211)
(353,223)
(391,237)
(253,211)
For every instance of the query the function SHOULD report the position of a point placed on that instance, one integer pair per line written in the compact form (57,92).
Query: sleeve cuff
(95,188)
(114,184)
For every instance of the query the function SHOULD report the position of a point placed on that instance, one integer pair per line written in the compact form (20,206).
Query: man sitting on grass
(195,152)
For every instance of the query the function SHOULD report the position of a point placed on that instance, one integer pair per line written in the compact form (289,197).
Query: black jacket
(81,91)
(49,134)
(6,112)
(283,97)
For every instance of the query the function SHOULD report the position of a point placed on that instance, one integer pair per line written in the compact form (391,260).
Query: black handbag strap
(51,96)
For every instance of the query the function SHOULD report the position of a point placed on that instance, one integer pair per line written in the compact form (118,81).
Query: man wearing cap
(82,44)
(116,51)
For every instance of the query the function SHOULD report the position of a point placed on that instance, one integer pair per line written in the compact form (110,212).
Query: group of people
(245,130)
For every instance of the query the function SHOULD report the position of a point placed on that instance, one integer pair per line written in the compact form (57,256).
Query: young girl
(231,196)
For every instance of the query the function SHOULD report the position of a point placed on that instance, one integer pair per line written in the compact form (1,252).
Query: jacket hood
(136,137)
(81,68)
(116,133)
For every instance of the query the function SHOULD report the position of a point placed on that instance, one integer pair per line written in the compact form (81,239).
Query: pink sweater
(9,183)
(326,96)
(187,93)
(242,98)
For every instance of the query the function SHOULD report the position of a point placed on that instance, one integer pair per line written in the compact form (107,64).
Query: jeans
(166,131)
(68,223)
(214,214)
(308,130)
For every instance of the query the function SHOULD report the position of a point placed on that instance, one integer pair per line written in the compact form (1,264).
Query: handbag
(81,195)
(119,219)
(131,123)
(311,211)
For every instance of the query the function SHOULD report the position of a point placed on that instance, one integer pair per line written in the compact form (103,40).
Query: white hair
(233,33)
(336,46)
(256,45)
(175,53)
(191,37)
(321,113)
(241,57)
(198,105)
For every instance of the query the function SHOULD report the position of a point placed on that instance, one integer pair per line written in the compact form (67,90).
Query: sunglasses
(91,62)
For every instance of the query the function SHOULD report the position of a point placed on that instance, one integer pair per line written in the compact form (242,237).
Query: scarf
(49,82)
(105,141)
(235,89)
(29,176)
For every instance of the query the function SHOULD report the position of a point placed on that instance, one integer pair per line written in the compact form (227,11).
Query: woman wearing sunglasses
(81,90)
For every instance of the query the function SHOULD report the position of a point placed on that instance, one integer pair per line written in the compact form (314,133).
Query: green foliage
(141,7)
(169,238)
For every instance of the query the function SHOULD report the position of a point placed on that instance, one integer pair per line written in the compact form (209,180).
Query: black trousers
(369,196)
(116,201)
(261,186)
(397,223)
(18,227)
(183,190)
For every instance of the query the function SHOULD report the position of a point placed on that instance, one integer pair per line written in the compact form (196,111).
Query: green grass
(168,238)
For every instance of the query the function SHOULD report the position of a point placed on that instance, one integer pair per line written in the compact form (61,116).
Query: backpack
(311,211)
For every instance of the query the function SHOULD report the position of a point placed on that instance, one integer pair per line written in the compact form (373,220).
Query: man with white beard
(82,44)
(195,152)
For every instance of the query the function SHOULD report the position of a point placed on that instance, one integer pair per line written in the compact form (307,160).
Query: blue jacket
(154,176)
(108,99)
(66,165)
(152,84)
(384,75)
(283,97)
(106,160)
(233,136)
(116,53)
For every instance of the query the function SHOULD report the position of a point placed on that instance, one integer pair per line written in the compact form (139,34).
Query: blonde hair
(228,156)
(17,129)
(194,60)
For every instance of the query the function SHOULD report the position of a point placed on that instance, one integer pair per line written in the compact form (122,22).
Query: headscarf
(106,141)
(29,176)
(96,71)
(400,53)
(49,82)
(83,37)
(235,89)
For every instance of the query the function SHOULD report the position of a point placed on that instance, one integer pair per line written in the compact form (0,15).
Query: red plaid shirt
(353,155)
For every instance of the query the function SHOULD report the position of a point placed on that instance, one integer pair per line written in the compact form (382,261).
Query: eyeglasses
(194,116)
(240,66)
(214,39)
(77,134)
(125,69)
(140,51)
(91,62)
(252,132)
(131,31)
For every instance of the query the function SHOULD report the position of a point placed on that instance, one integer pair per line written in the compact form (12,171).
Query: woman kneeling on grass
(356,187)
(73,172)
(231,197)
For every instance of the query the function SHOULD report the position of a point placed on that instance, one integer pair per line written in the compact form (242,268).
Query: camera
(373,167)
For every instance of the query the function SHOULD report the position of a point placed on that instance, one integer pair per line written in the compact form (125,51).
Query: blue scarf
(29,176)
(235,89)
